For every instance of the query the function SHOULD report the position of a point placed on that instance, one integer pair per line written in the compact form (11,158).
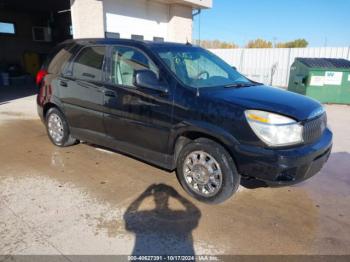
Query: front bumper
(283,166)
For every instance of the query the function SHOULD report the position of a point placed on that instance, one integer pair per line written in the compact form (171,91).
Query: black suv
(181,108)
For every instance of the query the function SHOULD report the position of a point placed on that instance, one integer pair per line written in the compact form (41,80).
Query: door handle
(109,93)
(63,83)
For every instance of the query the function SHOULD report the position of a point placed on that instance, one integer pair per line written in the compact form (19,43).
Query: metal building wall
(257,64)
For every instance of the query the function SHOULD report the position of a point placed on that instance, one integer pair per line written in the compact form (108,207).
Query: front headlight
(274,129)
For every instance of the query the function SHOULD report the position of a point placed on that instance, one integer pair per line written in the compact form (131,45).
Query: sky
(320,22)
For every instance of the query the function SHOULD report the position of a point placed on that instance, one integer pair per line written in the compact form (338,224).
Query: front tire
(207,171)
(58,129)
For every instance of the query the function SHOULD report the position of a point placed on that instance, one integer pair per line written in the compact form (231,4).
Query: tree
(280,45)
(298,43)
(259,43)
(215,44)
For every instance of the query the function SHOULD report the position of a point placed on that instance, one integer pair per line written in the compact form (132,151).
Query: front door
(137,116)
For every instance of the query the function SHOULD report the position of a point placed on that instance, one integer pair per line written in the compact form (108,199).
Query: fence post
(288,69)
(241,61)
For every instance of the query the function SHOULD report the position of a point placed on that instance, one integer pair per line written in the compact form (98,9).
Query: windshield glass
(198,68)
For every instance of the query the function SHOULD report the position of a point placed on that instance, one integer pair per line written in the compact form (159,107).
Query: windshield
(198,68)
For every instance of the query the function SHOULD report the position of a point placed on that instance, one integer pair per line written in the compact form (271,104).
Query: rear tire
(58,129)
(207,171)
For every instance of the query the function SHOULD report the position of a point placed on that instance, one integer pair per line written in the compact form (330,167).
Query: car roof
(114,41)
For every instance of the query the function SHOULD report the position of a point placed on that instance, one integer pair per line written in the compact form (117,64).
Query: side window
(125,61)
(137,37)
(158,39)
(88,64)
(168,58)
(57,60)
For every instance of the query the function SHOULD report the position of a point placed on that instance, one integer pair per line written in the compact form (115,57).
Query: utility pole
(198,13)
(274,41)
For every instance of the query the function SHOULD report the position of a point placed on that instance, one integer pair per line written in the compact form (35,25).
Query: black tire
(230,178)
(67,139)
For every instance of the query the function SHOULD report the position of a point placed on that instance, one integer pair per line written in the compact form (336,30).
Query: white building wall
(171,20)
(139,17)
(87,18)
(199,3)
(257,64)
(180,24)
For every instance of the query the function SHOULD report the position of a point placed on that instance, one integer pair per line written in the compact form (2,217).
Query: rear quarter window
(58,58)
(88,63)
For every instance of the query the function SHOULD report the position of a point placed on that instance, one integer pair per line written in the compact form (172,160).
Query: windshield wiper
(241,84)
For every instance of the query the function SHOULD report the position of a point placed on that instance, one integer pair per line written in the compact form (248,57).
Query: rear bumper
(284,166)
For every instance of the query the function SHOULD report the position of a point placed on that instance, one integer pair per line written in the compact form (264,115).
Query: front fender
(204,128)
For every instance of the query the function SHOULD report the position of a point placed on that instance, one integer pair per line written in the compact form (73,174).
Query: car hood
(270,99)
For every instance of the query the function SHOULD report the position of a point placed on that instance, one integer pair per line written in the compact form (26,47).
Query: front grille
(313,129)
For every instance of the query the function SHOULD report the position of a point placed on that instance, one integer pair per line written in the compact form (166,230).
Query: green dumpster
(325,79)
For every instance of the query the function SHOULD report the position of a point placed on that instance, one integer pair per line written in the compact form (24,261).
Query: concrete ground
(87,200)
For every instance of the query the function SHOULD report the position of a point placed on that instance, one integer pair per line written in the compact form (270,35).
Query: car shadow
(251,183)
(113,150)
(162,230)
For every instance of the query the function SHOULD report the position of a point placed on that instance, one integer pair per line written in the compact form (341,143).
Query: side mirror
(148,79)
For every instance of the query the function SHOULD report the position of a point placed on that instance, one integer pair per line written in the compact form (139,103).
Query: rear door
(81,92)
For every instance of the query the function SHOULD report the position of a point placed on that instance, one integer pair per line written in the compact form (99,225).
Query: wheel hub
(55,127)
(202,173)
